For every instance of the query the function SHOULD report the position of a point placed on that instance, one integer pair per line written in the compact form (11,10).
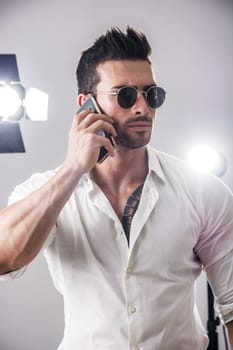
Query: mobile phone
(91,104)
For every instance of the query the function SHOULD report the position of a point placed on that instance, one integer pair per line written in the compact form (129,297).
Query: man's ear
(81,99)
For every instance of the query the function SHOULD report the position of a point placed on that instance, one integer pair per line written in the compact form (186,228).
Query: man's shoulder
(168,162)
(35,181)
(176,170)
(181,175)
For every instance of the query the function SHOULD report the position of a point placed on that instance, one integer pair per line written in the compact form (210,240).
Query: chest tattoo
(130,209)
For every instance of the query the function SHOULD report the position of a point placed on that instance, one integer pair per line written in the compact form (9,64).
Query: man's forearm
(25,225)
(230,333)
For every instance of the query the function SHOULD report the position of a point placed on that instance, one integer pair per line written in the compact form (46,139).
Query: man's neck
(126,170)
(120,176)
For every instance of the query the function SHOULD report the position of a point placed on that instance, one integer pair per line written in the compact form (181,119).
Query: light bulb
(9,102)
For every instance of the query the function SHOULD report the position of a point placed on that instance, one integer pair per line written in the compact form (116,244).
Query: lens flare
(205,159)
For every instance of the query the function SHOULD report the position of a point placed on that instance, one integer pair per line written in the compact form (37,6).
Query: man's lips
(140,123)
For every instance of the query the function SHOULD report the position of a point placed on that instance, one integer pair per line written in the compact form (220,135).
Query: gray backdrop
(192,44)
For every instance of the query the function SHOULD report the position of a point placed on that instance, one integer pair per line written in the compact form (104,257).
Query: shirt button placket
(132,309)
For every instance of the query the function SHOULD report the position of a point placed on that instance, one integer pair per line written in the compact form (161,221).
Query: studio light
(17,103)
(204,158)
(10,102)
(36,104)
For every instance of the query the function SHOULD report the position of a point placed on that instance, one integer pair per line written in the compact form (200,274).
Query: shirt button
(129,270)
(132,309)
(120,231)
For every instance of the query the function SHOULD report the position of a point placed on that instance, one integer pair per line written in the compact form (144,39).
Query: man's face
(133,125)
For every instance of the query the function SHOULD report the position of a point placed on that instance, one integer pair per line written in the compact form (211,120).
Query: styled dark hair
(114,45)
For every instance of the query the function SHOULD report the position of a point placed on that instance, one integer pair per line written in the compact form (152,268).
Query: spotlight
(36,104)
(10,102)
(205,159)
(16,102)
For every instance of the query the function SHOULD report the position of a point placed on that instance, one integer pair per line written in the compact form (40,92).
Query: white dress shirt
(141,296)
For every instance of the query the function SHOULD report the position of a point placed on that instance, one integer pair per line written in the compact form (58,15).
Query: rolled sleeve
(220,277)
(215,246)
(216,238)
(13,275)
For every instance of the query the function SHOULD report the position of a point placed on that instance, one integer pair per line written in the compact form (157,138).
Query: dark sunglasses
(127,96)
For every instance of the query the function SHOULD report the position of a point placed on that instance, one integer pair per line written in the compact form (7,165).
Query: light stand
(212,322)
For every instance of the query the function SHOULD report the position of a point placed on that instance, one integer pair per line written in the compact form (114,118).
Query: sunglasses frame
(144,92)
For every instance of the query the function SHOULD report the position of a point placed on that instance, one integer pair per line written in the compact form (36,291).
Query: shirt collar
(154,163)
(154,166)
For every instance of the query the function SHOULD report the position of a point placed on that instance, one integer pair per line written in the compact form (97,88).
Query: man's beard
(130,140)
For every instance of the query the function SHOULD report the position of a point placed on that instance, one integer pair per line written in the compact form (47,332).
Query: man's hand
(25,225)
(84,141)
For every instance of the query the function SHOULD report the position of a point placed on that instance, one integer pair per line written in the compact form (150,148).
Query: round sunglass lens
(127,96)
(155,96)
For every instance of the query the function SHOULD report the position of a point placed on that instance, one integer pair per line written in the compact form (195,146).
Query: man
(125,238)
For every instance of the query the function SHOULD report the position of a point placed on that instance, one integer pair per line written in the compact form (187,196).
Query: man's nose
(141,107)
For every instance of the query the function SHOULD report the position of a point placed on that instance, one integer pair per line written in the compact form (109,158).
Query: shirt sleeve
(215,244)
(220,277)
(21,191)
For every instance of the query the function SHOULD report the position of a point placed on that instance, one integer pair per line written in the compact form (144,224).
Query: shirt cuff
(226,312)
(13,274)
